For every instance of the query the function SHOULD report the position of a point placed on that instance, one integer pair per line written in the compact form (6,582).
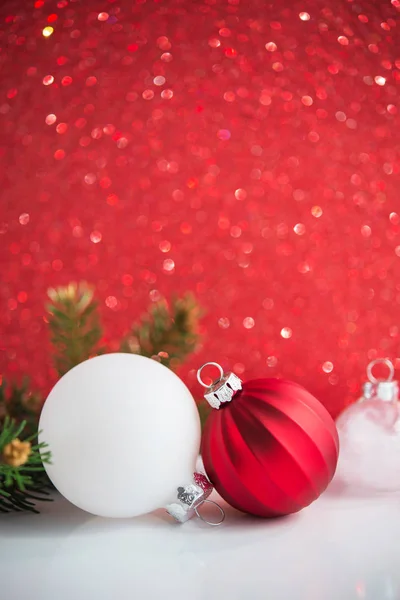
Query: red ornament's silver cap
(223,389)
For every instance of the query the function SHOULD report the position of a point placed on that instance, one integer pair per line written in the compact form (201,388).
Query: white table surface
(340,548)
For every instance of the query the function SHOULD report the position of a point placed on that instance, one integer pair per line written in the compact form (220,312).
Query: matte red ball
(272,450)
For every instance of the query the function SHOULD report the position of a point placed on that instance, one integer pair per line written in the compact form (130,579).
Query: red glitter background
(245,150)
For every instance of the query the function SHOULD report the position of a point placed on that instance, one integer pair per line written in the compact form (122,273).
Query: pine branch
(74,325)
(168,334)
(18,460)
(21,404)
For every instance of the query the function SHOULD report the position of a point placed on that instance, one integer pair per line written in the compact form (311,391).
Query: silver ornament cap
(190,497)
(223,389)
(386,390)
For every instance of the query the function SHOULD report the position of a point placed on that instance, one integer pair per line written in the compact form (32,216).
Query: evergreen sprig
(74,325)
(20,403)
(167,333)
(21,486)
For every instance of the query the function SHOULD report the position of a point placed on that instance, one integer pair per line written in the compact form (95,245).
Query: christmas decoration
(76,334)
(245,150)
(190,498)
(369,434)
(269,447)
(124,432)
(20,461)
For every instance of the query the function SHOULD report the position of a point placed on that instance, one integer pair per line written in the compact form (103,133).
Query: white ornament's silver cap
(386,390)
(190,497)
(223,389)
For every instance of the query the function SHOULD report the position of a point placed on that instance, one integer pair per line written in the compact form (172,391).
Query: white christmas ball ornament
(369,436)
(124,433)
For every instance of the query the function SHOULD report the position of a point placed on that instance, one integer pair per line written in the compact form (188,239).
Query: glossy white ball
(124,433)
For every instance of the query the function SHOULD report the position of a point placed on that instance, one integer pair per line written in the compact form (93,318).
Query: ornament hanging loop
(223,389)
(380,361)
(212,523)
(209,364)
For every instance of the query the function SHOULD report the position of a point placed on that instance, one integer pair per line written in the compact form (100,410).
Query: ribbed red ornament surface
(272,450)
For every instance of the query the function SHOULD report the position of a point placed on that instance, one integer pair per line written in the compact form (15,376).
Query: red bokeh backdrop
(245,150)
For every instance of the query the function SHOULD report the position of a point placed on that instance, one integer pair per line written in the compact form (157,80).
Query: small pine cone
(16,453)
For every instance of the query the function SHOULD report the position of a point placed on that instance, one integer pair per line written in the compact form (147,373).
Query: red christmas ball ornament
(270,448)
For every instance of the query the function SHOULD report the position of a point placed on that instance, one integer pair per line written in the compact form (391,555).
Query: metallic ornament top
(386,390)
(189,499)
(221,390)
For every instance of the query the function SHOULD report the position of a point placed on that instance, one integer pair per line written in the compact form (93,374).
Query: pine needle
(17,487)
(20,403)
